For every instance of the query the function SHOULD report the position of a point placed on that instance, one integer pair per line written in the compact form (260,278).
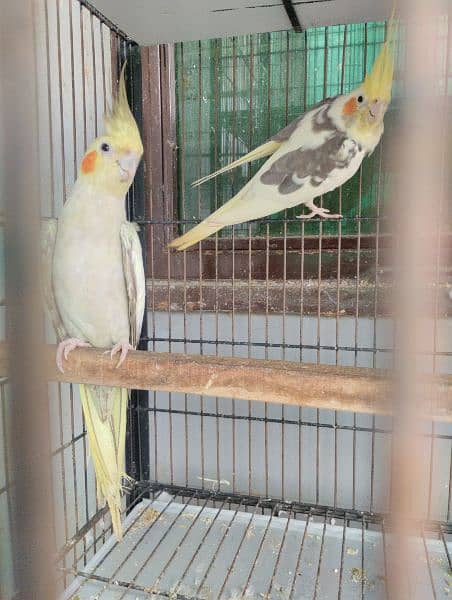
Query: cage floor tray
(194,551)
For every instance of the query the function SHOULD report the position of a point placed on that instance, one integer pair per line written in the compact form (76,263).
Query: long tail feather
(195,235)
(105,412)
(259,152)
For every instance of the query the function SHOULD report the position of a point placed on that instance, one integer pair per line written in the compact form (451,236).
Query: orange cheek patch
(350,106)
(89,162)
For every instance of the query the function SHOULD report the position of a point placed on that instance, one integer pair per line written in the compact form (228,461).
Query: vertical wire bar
(338,281)
(199,130)
(215,186)
(74,467)
(170,395)
(375,319)
(8,466)
(82,60)
(302,257)
(63,177)
(249,354)
(284,290)
(200,257)
(96,116)
(385,559)
(102,50)
(49,102)
(267,298)
(283,352)
(183,209)
(234,433)
(363,577)
(449,493)
(249,323)
(234,108)
(151,261)
(319,285)
(71,388)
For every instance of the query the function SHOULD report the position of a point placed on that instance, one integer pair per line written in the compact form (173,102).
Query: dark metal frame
(292,15)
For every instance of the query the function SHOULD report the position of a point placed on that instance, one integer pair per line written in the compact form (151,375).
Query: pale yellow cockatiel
(313,155)
(96,291)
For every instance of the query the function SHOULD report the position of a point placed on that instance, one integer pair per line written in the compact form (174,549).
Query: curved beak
(128,164)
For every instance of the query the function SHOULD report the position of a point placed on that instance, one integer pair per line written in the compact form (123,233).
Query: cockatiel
(313,155)
(95,288)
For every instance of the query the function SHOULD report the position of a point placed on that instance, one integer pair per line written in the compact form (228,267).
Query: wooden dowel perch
(317,386)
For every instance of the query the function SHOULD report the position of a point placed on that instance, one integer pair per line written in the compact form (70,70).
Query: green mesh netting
(234,93)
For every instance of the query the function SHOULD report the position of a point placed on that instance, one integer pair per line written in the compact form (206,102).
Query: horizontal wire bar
(334,426)
(171,340)
(276,504)
(255,221)
(219,342)
(284,421)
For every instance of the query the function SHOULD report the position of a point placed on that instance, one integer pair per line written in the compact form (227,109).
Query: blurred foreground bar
(418,205)
(33,525)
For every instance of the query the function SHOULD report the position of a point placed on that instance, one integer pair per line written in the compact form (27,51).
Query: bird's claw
(320,212)
(65,348)
(123,348)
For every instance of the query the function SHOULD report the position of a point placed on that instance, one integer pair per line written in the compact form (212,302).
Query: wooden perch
(317,386)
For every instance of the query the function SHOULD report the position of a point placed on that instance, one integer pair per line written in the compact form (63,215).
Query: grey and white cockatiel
(94,285)
(313,155)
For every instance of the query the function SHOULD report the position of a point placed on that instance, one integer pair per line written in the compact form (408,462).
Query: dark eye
(360,98)
(105,147)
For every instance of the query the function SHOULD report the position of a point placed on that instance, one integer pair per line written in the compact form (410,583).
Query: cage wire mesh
(237,499)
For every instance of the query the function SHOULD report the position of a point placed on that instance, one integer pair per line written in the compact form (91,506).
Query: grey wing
(132,260)
(49,230)
(310,165)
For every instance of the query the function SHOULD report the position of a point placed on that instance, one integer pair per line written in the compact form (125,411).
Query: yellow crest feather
(378,82)
(120,122)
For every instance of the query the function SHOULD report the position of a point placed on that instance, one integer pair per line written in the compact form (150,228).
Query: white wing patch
(49,230)
(132,259)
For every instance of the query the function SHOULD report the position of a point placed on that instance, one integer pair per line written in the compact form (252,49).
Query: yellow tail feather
(195,235)
(105,412)
(259,152)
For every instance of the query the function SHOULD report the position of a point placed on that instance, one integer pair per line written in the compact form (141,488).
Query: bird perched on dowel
(94,285)
(313,155)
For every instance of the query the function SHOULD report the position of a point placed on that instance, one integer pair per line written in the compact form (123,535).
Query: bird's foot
(123,348)
(65,348)
(320,212)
